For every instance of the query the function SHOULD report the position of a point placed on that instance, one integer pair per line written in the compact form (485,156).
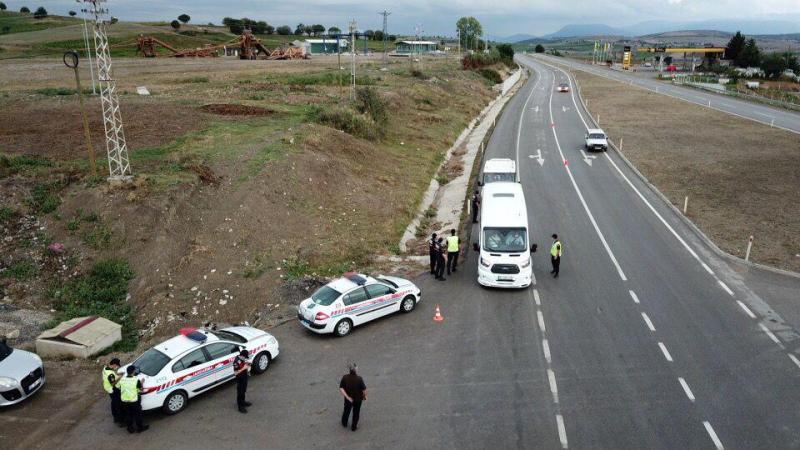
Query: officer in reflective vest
(129,388)
(452,252)
(555,255)
(110,380)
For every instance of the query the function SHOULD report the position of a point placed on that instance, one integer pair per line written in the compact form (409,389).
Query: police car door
(193,373)
(222,355)
(355,305)
(382,300)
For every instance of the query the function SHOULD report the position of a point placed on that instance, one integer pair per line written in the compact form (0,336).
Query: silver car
(21,374)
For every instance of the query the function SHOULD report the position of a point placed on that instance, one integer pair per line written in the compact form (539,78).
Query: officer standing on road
(440,259)
(555,255)
(452,251)
(241,368)
(110,380)
(476,204)
(129,388)
(432,253)
(354,391)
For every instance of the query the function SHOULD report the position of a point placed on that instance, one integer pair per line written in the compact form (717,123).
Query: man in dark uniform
(110,380)
(432,253)
(441,262)
(241,369)
(130,388)
(476,204)
(354,391)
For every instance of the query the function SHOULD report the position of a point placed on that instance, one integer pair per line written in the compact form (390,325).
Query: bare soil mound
(227,109)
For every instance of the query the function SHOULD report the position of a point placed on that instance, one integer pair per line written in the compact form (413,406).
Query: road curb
(695,229)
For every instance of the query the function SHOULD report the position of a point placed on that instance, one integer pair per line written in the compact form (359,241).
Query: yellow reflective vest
(129,389)
(452,244)
(107,385)
(555,250)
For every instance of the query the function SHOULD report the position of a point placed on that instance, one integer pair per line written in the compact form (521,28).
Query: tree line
(746,53)
(237,26)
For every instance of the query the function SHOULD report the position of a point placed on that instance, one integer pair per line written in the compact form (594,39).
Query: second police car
(355,299)
(195,361)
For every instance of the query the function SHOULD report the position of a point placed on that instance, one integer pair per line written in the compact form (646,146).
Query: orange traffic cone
(438,316)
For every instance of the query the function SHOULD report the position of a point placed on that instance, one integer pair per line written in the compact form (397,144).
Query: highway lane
(777,117)
(718,351)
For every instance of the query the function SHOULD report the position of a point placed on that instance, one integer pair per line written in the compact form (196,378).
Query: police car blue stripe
(357,310)
(197,377)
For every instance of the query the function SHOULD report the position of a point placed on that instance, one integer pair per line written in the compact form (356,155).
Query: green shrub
(22,271)
(349,121)
(100,292)
(296,268)
(6,214)
(369,101)
(51,91)
(416,73)
(492,75)
(326,78)
(44,197)
(11,164)
(194,80)
(98,238)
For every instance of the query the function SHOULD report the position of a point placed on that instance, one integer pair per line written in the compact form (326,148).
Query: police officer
(241,368)
(354,391)
(129,388)
(110,380)
(432,253)
(555,255)
(452,251)
(476,204)
(440,259)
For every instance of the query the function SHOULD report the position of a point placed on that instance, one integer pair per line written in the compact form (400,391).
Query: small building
(80,337)
(324,46)
(415,47)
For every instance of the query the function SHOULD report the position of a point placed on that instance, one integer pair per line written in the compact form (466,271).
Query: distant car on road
(596,139)
(197,360)
(355,299)
(21,374)
(563,87)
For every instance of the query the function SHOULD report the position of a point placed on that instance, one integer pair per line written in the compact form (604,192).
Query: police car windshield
(325,296)
(597,136)
(508,240)
(151,362)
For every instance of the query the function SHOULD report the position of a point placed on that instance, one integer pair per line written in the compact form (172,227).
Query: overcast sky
(438,17)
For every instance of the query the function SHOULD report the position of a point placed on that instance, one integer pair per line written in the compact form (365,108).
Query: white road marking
(713,435)
(770,334)
(746,309)
(648,322)
(536,297)
(634,297)
(765,115)
(580,196)
(538,157)
(794,359)
(665,351)
(562,432)
(551,377)
(546,348)
(521,116)
(708,269)
(725,286)
(686,389)
(540,316)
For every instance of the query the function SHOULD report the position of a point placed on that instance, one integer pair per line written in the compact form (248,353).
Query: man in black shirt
(432,253)
(241,368)
(354,391)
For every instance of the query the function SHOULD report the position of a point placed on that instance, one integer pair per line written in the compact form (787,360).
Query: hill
(579,30)
(14,22)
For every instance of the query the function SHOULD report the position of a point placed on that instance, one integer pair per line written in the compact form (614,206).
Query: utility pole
(71,61)
(119,168)
(88,48)
(458,32)
(353,28)
(417,31)
(385,15)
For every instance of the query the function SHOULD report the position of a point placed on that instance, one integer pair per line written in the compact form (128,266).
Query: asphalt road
(777,117)
(646,340)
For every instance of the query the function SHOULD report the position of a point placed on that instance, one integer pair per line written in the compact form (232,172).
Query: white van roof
(503,205)
(500,165)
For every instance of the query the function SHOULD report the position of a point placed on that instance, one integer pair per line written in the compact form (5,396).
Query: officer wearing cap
(129,389)
(241,369)
(354,391)
(110,379)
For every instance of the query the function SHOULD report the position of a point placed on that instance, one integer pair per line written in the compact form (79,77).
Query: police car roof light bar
(355,278)
(194,334)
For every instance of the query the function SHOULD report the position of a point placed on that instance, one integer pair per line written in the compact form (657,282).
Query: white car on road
(596,139)
(355,299)
(21,374)
(197,360)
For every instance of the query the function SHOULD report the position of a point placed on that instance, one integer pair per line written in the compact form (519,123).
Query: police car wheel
(343,328)
(408,304)
(261,363)
(175,402)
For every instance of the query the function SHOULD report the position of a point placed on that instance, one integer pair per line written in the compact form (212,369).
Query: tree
(270,29)
(175,25)
(236,26)
(369,34)
(506,52)
(735,46)
(470,30)
(750,56)
(6,29)
(378,36)
(284,30)
(24,10)
(72,14)
(539,48)
(259,27)
(184,18)
(40,13)
(2,6)
(334,30)
(300,29)
(318,29)
(308,30)
(774,64)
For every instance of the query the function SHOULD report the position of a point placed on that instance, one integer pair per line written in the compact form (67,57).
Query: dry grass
(742,178)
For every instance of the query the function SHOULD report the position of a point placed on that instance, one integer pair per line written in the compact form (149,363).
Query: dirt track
(742,178)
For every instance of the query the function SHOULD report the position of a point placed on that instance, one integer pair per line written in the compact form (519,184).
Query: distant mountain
(580,30)
(510,39)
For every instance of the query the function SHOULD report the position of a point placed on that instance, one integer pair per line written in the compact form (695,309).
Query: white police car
(355,299)
(196,361)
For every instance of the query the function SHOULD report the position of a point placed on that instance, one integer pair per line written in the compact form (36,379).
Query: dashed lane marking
(648,322)
(794,359)
(546,349)
(686,389)
(634,297)
(746,309)
(551,377)
(725,286)
(708,269)
(536,297)
(540,317)
(562,431)
(665,351)
(713,435)
(771,335)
